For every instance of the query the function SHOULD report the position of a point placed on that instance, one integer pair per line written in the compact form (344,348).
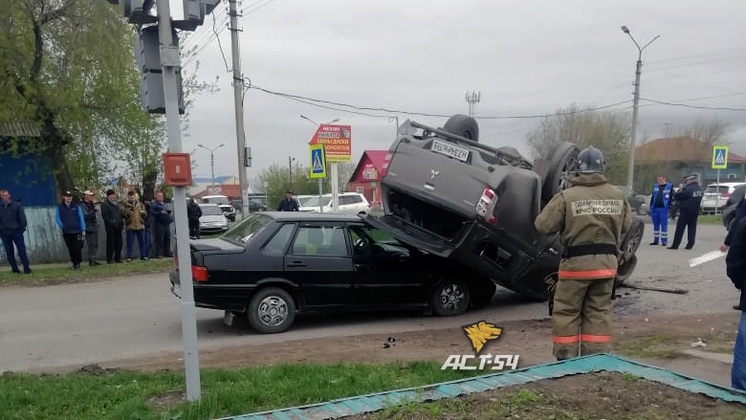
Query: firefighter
(689,198)
(660,205)
(591,217)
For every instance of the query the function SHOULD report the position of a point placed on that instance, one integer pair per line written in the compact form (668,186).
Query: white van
(225,205)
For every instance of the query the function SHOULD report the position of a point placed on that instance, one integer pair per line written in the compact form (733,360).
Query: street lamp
(315,123)
(631,169)
(212,162)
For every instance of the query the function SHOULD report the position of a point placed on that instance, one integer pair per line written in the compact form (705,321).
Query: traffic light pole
(170,62)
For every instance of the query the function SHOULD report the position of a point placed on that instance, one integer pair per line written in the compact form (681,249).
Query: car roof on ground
(298,216)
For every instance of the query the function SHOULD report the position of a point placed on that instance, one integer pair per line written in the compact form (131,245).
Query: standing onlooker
(591,216)
(12,225)
(735,263)
(113,223)
(91,226)
(288,203)
(135,215)
(148,222)
(660,204)
(69,217)
(162,221)
(194,212)
(689,198)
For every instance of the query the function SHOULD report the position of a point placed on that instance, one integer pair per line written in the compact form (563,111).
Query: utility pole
(238,86)
(290,172)
(666,124)
(170,61)
(212,162)
(638,72)
(473,98)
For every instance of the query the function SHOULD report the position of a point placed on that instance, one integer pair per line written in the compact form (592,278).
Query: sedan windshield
(211,211)
(314,201)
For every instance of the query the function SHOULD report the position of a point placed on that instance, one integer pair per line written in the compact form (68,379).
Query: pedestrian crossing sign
(719,157)
(318,161)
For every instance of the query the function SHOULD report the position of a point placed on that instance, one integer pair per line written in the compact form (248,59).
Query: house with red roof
(677,157)
(366,178)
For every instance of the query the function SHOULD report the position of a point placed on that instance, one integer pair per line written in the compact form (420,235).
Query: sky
(525,58)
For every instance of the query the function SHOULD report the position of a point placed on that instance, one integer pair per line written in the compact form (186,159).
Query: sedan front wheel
(271,310)
(450,297)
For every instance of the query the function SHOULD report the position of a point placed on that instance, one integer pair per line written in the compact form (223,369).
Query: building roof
(232,191)
(679,149)
(376,157)
(19,129)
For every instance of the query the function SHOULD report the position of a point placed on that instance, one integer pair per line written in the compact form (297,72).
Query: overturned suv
(449,195)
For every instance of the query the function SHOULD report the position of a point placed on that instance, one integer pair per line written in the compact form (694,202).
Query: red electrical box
(177,169)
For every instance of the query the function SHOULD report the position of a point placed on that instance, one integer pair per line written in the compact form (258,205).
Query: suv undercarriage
(448,194)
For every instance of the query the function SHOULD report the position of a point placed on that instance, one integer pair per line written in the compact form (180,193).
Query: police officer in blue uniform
(660,203)
(689,198)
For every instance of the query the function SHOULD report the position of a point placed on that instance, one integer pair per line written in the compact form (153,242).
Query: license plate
(450,150)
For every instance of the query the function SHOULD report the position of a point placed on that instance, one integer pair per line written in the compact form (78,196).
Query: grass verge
(57,274)
(656,346)
(100,394)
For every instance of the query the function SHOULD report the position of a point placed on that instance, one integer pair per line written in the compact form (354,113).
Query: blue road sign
(318,161)
(719,157)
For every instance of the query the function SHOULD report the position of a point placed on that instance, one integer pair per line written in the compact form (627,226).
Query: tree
(67,68)
(609,131)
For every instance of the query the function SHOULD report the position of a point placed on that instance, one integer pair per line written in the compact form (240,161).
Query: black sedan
(274,264)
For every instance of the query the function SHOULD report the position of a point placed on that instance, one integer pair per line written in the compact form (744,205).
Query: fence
(44,242)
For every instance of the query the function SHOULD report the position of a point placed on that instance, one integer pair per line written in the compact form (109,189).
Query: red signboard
(337,141)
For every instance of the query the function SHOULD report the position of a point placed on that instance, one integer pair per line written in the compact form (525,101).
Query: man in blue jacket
(12,225)
(69,217)
(162,220)
(735,263)
(660,203)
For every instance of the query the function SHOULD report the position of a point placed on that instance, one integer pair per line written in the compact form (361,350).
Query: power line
(692,106)
(220,45)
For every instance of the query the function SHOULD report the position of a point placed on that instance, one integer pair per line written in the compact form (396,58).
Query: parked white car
(213,219)
(349,202)
(716,195)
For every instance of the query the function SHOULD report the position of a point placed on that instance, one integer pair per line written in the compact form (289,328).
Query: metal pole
(170,63)
(238,104)
(335,187)
(290,173)
(633,137)
(212,169)
(717,196)
(321,193)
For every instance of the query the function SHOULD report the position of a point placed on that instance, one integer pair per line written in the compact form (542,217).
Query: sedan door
(386,273)
(319,261)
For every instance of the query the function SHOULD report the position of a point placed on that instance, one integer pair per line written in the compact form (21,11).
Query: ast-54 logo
(479,335)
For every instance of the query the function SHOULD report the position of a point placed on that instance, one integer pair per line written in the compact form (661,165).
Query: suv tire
(271,310)
(563,158)
(450,298)
(464,126)
(629,246)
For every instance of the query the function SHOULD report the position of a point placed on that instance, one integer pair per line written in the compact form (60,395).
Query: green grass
(709,219)
(656,347)
(146,396)
(57,274)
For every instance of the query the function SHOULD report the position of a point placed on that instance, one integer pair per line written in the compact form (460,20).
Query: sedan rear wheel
(450,297)
(271,310)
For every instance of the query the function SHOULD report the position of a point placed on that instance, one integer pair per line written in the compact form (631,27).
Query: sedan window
(248,228)
(279,242)
(320,240)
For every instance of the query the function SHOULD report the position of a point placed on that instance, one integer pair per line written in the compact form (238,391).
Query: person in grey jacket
(91,226)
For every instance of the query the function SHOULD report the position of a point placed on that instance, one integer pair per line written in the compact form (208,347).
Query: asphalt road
(73,325)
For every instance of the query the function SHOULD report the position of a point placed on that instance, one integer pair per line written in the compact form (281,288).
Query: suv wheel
(450,297)
(563,159)
(464,126)
(271,310)
(629,246)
